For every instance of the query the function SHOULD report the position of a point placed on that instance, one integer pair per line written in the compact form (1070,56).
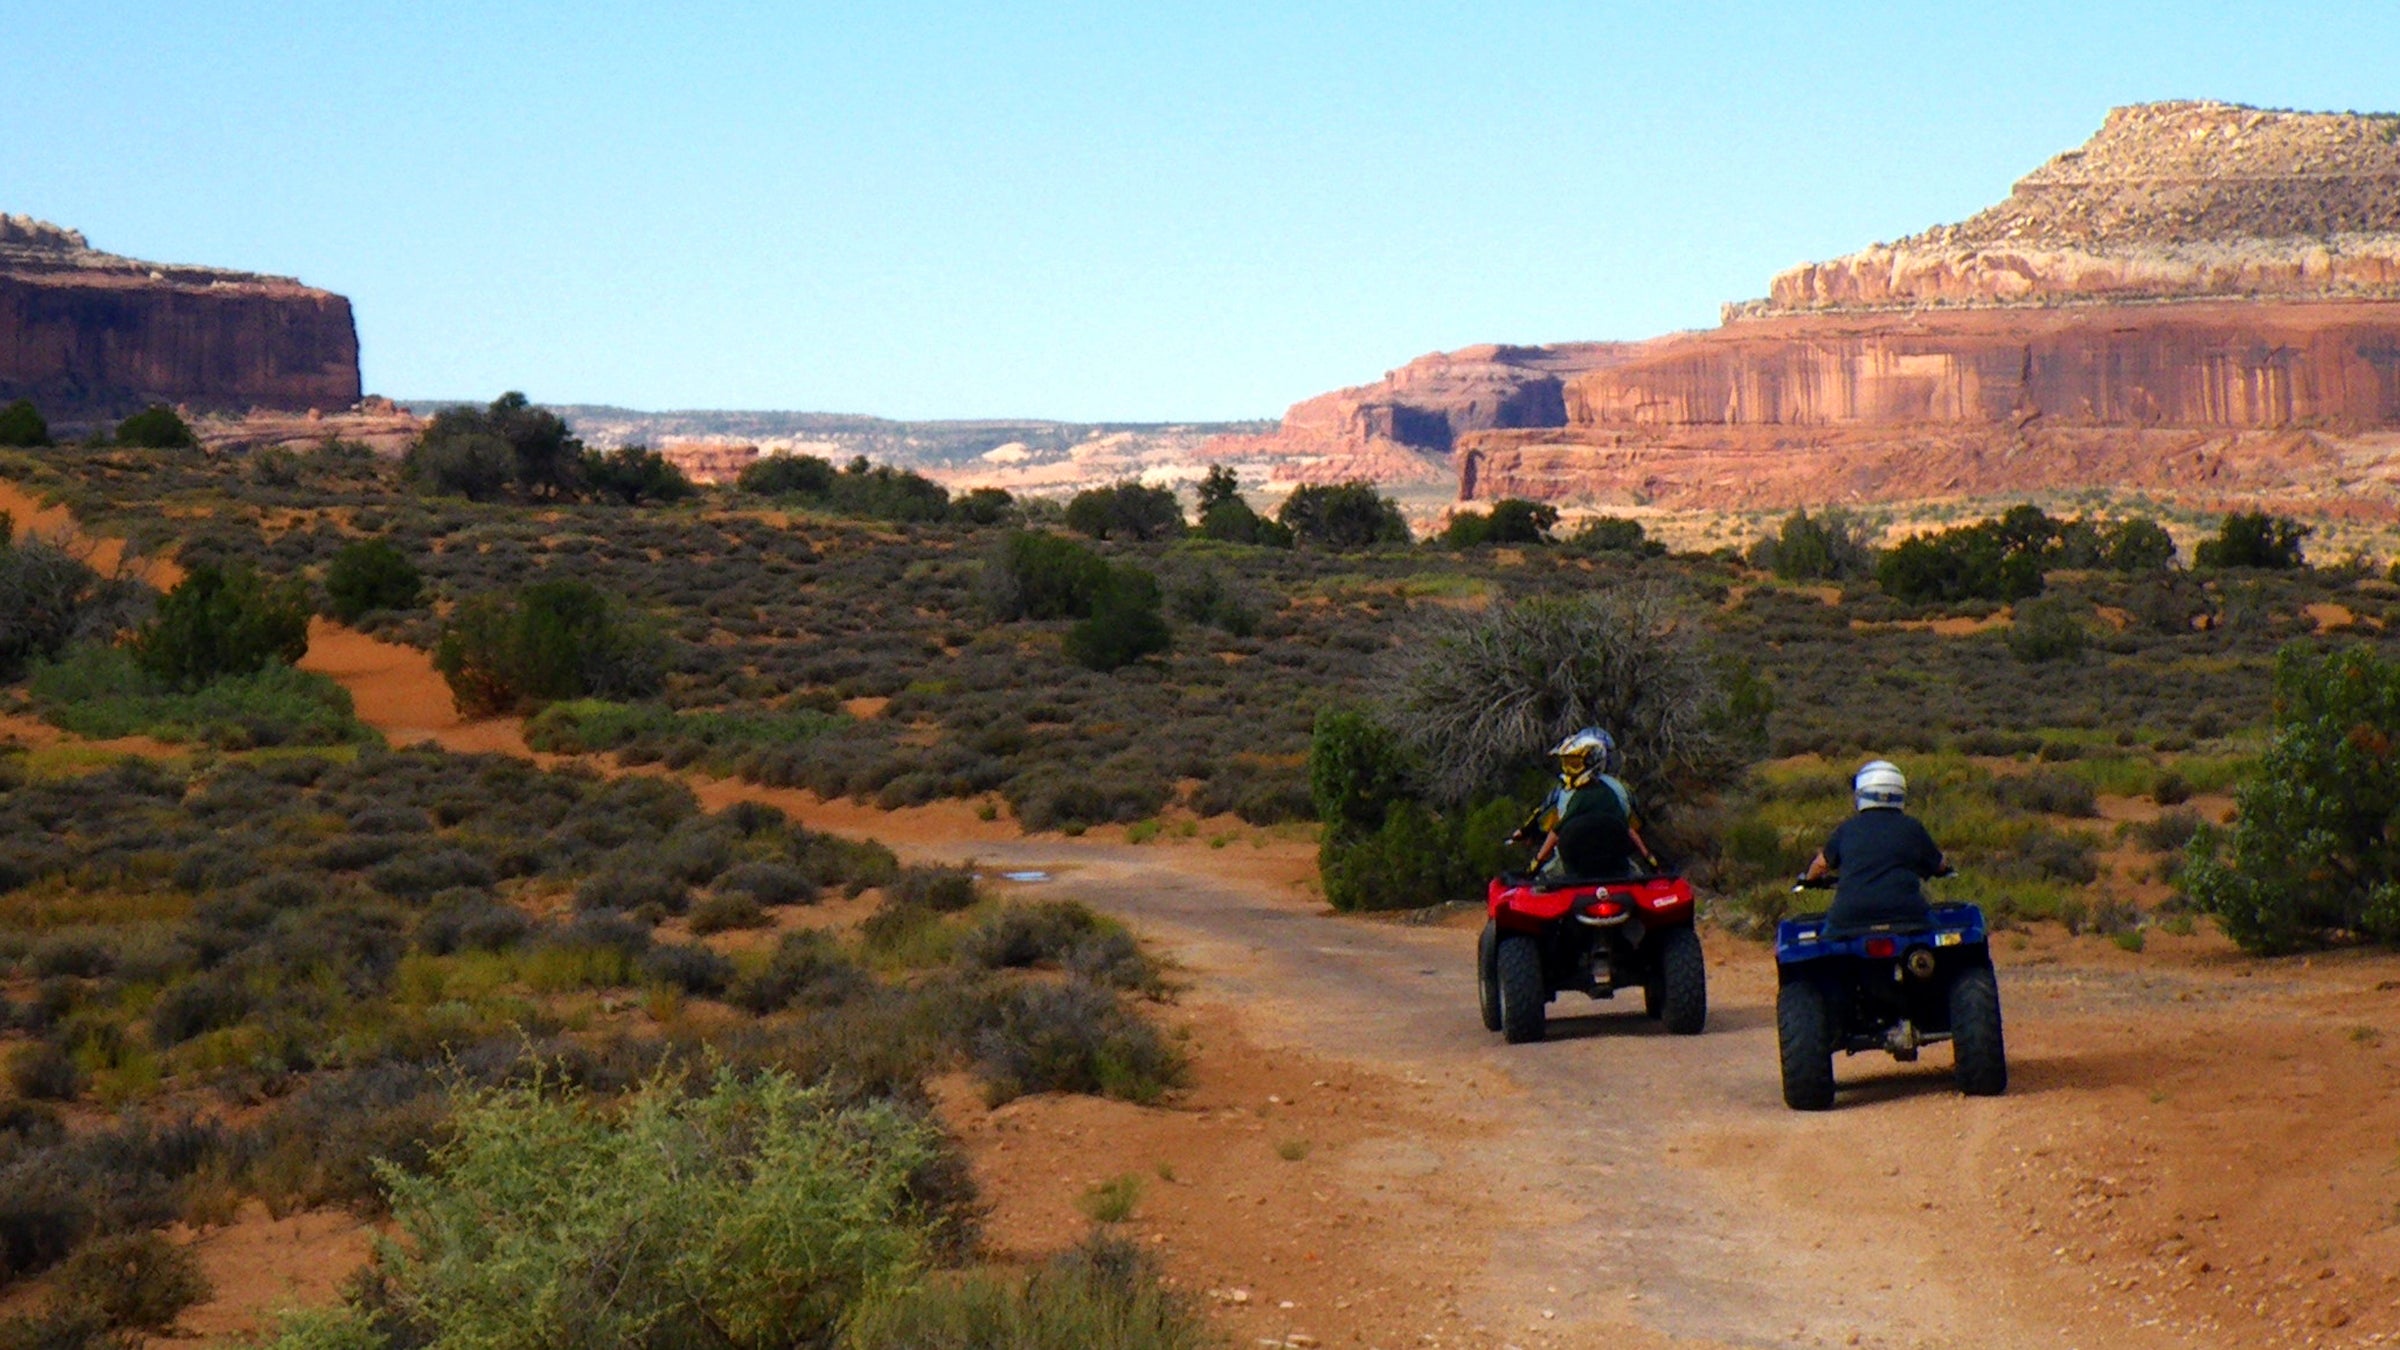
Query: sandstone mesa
(2201,303)
(87,333)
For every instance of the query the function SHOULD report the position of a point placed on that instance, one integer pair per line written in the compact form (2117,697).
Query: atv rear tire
(1804,1030)
(1683,981)
(1523,999)
(1975,1033)
(1654,996)
(1487,975)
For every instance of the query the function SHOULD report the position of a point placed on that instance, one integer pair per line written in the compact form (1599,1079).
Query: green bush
(2315,851)
(102,692)
(1829,546)
(1984,561)
(216,623)
(876,491)
(1125,624)
(1072,1036)
(1104,1292)
(156,428)
(1045,576)
(634,475)
(757,1213)
(371,574)
(1342,517)
(2048,630)
(2254,539)
(552,640)
(50,598)
(1614,534)
(22,427)
(1126,510)
(134,1281)
(477,452)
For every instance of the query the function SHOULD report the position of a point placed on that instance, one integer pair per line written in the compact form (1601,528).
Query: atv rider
(1587,825)
(1882,853)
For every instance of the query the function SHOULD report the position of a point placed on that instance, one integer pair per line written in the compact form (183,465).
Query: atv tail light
(1608,909)
(1880,947)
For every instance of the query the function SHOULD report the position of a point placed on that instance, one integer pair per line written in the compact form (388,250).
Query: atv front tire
(1523,999)
(1683,981)
(1804,1030)
(1975,1033)
(1487,974)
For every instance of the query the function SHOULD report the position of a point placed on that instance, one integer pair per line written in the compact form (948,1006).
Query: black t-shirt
(1881,854)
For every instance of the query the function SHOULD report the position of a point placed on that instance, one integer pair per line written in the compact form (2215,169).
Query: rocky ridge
(2188,199)
(88,332)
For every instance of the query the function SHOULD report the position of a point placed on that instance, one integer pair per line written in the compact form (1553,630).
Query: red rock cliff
(2203,303)
(88,332)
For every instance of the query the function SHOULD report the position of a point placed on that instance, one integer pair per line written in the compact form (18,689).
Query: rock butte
(2201,303)
(89,333)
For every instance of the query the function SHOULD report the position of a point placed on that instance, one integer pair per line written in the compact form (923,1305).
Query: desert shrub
(22,427)
(1202,596)
(690,967)
(1476,700)
(1103,1292)
(477,452)
(755,1213)
(43,1072)
(216,623)
(726,911)
(2171,789)
(469,921)
(2136,545)
(806,970)
(1342,517)
(1606,535)
(945,890)
(634,888)
(875,491)
(102,692)
(1125,624)
(134,1281)
(634,475)
(2046,855)
(2047,793)
(1829,546)
(2314,855)
(1412,859)
(768,883)
(2049,629)
(2254,539)
(1059,934)
(985,506)
(1126,510)
(1512,520)
(50,598)
(2169,832)
(370,574)
(2000,559)
(787,476)
(156,427)
(1045,576)
(552,640)
(1070,1037)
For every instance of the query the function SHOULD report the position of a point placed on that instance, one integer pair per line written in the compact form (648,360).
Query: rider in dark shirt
(1882,852)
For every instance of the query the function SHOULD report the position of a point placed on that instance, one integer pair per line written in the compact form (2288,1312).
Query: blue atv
(1889,987)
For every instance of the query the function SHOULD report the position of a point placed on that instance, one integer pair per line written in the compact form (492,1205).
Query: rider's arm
(1549,846)
(1817,867)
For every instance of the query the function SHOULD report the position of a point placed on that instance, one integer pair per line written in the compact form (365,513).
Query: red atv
(1546,935)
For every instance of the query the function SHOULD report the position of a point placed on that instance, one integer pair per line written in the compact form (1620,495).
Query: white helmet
(1587,753)
(1879,786)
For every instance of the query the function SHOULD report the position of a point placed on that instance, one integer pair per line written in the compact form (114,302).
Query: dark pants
(1595,845)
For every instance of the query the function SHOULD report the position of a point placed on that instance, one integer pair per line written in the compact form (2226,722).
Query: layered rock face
(2202,303)
(85,332)
(1403,427)
(2168,200)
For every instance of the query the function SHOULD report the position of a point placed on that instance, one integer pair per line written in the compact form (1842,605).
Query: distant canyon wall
(88,332)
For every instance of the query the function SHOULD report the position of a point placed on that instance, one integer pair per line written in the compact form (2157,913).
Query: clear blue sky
(1092,212)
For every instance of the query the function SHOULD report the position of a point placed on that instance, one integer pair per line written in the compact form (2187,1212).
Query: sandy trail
(31,515)
(2196,1149)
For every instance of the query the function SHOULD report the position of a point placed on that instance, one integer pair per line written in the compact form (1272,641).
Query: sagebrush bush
(371,574)
(755,1213)
(1102,1292)
(134,1281)
(1072,1036)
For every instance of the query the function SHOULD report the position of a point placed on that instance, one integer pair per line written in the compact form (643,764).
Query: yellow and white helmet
(1585,755)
